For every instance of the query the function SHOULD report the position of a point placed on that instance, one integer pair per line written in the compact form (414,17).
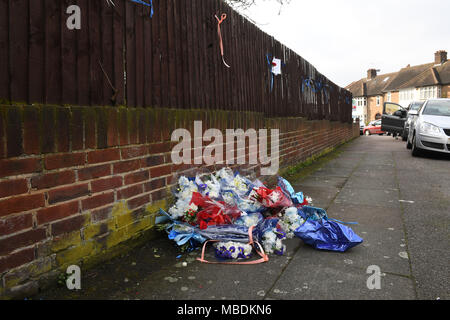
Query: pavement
(401,204)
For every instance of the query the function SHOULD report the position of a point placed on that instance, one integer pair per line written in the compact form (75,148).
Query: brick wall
(372,107)
(75,182)
(445,91)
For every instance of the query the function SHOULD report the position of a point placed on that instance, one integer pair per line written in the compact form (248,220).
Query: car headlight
(430,129)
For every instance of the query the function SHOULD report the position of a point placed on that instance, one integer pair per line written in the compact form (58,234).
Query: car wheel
(415,150)
(408,144)
(367,133)
(404,136)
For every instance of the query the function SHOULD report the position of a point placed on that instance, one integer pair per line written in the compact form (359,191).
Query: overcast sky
(345,38)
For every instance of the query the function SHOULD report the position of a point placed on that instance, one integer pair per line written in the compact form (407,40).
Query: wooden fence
(123,56)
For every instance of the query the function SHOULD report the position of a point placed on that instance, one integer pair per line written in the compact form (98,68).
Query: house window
(389,97)
(361,102)
(378,101)
(429,93)
(407,95)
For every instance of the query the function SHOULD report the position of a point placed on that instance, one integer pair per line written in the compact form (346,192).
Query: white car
(431,128)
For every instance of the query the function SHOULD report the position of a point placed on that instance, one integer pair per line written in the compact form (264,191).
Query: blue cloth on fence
(328,235)
(146,4)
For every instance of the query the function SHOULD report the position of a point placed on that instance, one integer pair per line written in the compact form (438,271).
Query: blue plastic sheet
(328,235)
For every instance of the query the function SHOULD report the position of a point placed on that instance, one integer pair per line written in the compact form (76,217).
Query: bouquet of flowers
(226,206)
(272,198)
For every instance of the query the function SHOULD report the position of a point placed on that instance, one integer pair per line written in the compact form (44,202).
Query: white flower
(275,196)
(249,221)
(234,249)
(291,221)
(271,243)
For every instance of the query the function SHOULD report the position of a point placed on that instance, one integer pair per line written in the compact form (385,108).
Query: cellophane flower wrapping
(223,206)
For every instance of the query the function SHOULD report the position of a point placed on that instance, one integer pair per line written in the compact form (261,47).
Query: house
(412,83)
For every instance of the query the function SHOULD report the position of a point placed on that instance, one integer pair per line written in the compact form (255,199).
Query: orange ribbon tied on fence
(222,19)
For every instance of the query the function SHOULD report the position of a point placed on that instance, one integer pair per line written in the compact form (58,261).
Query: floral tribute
(226,207)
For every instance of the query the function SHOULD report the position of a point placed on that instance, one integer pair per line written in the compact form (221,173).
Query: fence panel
(123,55)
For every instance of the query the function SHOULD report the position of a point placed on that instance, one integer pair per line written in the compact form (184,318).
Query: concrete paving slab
(368,197)
(316,181)
(314,275)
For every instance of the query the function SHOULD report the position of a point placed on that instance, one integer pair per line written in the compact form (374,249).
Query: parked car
(393,119)
(374,127)
(413,111)
(431,128)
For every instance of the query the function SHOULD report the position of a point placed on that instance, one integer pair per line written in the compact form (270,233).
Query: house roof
(409,77)
(371,87)
(406,75)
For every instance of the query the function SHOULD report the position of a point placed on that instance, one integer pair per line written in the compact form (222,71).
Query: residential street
(401,204)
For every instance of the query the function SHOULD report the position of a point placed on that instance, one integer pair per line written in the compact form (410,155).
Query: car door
(377,127)
(394,118)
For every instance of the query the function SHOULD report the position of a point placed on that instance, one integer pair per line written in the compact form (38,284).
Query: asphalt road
(402,205)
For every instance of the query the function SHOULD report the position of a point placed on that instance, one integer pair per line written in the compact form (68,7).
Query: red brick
(106,184)
(159,195)
(63,129)
(31,130)
(112,133)
(97,201)
(101,214)
(16,259)
(160,171)
(161,147)
(21,240)
(77,129)
(134,152)
(100,156)
(136,177)
(68,160)
(13,187)
(123,127)
(15,224)
(67,193)
(14,126)
(138,202)
(94,172)
(21,203)
(155,184)
(152,161)
(126,166)
(19,166)
(129,192)
(68,225)
(53,179)
(57,212)
(133,125)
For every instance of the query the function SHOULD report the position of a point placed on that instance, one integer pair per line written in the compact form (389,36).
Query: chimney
(440,57)
(371,74)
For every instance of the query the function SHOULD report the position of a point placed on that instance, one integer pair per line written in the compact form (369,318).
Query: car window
(437,108)
(391,108)
(416,106)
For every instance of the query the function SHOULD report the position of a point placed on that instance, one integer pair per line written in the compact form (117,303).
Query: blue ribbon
(270,70)
(146,4)
(342,222)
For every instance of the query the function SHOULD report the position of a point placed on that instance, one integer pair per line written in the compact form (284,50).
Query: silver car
(431,128)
